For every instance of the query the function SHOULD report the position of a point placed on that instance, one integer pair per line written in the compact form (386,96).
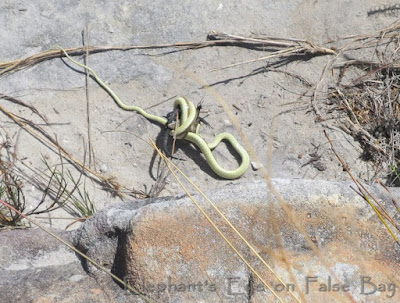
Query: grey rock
(166,249)
(34,267)
(157,245)
(98,237)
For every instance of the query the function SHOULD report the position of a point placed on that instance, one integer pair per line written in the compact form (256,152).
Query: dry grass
(367,100)
(278,47)
(60,189)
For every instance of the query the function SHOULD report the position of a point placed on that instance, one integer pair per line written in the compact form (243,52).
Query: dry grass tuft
(366,96)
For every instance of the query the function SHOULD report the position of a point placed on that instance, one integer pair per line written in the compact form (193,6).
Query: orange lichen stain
(184,239)
(95,291)
(43,300)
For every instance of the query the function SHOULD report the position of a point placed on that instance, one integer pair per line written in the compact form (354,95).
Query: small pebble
(256,165)
(174,186)
(103,168)
(76,278)
(319,165)
(227,123)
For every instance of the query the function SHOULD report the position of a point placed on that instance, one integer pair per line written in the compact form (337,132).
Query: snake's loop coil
(187,129)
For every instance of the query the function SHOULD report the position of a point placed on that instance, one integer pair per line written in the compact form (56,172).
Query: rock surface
(36,268)
(173,254)
(166,249)
(164,246)
(149,77)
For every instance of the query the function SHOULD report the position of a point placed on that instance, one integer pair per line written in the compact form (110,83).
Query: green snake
(187,129)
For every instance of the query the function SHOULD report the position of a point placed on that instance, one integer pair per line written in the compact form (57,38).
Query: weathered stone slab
(34,267)
(174,255)
(329,246)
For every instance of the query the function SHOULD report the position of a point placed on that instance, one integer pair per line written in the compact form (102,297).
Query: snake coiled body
(187,129)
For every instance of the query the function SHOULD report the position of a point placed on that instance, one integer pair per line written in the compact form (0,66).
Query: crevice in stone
(250,288)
